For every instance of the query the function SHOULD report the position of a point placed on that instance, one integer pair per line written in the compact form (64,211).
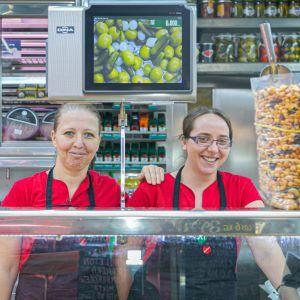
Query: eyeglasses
(206,141)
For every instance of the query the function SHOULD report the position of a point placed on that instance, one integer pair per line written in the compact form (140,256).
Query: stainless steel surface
(27,162)
(236,23)
(238,105)
(78,222)
(237,68)
(71,58)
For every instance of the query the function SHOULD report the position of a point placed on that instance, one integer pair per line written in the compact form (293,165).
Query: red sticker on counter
(206,250)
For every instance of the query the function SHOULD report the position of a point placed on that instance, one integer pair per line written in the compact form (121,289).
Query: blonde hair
(69,107)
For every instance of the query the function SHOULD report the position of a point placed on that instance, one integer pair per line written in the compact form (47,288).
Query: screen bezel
(143,10)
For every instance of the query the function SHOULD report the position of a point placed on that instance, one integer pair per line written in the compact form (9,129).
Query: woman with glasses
(210,262)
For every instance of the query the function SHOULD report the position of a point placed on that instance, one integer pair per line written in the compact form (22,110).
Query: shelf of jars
(243,23)
(238,68)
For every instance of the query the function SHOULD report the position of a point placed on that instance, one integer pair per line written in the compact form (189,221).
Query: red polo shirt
(239,191)
(31,192)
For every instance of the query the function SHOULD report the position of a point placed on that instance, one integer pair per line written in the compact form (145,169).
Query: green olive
(160,33)
(114,32)
(137,79)
(169,51)
(178,51)
(104,40)
(164,64)
(131,35)
(128,57)
(147,69)
(156,74)
(124,77)
(168,76)
(174,65)
(98,78)
(113,74)
(137,62)
(101,27)
(176,38)
(146,80)
(145,52)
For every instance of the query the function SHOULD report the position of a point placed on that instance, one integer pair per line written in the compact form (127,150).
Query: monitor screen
(137,48)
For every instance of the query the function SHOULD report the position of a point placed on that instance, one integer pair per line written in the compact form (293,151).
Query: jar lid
(248,36)
(207,1)
(224,1)
(224,36)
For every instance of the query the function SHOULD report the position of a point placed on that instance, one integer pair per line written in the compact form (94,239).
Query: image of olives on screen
(136,51)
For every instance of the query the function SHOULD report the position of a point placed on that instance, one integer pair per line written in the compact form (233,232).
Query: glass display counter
(159,251)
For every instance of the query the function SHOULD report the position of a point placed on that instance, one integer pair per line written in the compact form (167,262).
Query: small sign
(65,29)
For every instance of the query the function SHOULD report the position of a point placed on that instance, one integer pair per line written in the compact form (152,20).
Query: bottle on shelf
(207,8)
(152,153)
(134,152)
(144,122)
(260,8)
(224,8)
(271,9)
(294,9)
(283,9)
(161,122)
(116,153)
(100,154)
(108,152)
(143,152)
(107,122)
(248,48)
(224,48)
(249,9)
(115,123)
(237,9)
(135,124)
(153,124)
(127,152)
(161,154)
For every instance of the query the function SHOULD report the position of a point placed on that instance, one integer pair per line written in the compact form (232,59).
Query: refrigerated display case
(165,268)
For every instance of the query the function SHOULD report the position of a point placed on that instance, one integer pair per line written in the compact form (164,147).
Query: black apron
(208,263)
(70,268)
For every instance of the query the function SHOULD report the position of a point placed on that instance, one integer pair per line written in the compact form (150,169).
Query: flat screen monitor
(137,49)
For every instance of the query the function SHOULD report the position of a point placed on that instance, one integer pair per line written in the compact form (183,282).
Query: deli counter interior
(162,251)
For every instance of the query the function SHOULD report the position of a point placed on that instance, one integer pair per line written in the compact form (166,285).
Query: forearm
(123,276)
(6,284)
(269,257)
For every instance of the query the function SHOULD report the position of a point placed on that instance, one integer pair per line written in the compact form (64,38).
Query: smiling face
(207,160)
(76,139)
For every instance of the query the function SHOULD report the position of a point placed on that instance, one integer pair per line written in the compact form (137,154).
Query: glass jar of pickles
(260,8)
(207,8)
(263,56)
(248,48)
(283,9)
(224,48)
(290,48)
(249,9)
(224,8)
(271,9)
(237,9)
(294,9)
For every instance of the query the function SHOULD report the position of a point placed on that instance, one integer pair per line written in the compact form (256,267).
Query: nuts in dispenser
(277,116)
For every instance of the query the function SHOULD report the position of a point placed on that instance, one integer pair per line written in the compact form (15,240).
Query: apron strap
(176,190)
(49,190)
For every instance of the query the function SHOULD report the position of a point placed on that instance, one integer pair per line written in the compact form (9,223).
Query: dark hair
(69,107)
(188,122)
